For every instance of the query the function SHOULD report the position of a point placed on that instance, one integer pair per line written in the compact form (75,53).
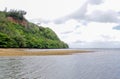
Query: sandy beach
(39,52)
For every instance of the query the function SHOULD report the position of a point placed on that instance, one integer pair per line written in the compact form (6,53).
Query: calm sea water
(102,64)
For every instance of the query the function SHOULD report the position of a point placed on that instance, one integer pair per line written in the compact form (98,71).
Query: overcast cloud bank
(84,29)
(80,23)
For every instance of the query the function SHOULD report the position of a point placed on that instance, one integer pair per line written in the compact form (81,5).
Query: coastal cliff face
(21,22)
(17,32)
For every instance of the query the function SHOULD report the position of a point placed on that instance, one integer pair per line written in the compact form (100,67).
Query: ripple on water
(99,65)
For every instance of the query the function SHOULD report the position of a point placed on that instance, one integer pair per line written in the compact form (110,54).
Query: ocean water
(101,64)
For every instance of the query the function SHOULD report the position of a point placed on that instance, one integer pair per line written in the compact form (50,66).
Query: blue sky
(80,23)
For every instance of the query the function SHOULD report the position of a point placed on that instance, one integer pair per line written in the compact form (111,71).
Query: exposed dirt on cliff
(21,22)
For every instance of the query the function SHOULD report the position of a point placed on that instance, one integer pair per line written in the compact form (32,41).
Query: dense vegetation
(16,35)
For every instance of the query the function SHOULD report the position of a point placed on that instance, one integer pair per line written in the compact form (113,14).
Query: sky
(79,23)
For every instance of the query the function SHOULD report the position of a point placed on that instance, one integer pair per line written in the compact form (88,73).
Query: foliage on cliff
(17,32)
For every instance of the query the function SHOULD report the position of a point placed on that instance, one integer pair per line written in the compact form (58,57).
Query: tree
(5,41)
(16,14)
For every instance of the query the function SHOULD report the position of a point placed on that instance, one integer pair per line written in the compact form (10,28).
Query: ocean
(100,64)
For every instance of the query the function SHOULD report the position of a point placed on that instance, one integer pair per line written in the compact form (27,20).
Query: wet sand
(40,52)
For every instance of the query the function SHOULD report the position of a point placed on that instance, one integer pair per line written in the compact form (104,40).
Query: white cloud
(80,23)
(103,16)
(95,32)
(45,9)
(106,44)
(95,11)
(78,35)
(90,26)
(95,2)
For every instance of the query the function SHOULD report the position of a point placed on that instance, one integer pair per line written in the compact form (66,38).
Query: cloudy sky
(80,23)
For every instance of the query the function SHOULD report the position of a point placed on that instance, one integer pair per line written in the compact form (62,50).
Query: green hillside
(17,32)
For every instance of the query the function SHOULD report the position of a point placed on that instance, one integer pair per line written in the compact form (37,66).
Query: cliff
(17,32)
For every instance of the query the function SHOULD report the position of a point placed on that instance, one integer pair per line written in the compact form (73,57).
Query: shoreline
(38,52)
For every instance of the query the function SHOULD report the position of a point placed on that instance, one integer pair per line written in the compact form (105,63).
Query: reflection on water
(99,65)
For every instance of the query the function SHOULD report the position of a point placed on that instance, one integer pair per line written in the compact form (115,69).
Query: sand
(40,52)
